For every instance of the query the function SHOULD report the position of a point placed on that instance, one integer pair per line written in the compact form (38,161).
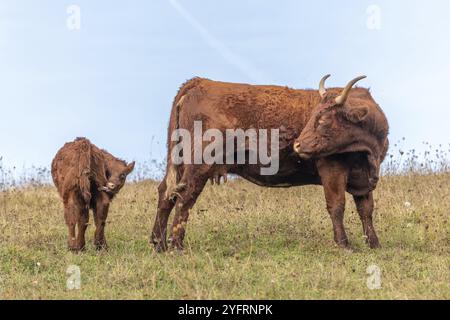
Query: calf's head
(335,124)
(116,175)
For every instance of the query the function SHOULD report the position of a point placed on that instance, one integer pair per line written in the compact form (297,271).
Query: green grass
(242,242)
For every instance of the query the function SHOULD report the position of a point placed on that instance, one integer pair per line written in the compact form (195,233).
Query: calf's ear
(130,167)
(357,114)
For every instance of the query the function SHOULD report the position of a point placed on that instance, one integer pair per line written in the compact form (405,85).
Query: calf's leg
(364,205)
(82,224)
(75,214)
(334,180)
(100,214)
(71,221)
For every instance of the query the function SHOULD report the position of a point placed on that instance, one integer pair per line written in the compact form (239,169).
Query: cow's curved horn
(322,90)
(344,94)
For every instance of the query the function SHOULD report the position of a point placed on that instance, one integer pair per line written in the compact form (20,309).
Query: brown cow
(87,178)
(347,135)
(224,106)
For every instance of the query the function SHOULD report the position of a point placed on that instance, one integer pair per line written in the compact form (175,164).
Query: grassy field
(242,242)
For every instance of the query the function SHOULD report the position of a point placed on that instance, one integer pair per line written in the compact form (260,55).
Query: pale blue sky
(113,81)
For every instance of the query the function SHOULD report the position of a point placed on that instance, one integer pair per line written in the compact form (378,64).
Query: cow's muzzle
(302,154)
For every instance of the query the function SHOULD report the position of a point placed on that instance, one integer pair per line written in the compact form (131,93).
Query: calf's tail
(84,170)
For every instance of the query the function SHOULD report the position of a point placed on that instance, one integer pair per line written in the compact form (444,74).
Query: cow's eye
(123,176)
(323,121)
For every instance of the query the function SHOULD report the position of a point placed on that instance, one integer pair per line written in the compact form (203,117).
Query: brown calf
(87,178)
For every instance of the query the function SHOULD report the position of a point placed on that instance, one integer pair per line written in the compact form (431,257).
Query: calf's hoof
(76,248)
(342,243)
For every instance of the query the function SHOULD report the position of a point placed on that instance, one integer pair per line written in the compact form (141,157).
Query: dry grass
(243,242)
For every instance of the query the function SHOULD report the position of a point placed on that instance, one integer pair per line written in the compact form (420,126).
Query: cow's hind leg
(194,180)
(364,205)
(166,203)
(334,181)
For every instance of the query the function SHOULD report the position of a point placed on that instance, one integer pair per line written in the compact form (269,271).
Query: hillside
(243,241)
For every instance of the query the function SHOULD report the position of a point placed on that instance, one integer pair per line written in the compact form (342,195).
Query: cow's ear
(130,167)
(357,114)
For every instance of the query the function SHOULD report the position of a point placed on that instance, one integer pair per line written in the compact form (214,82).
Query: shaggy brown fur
(87,178)
(224,106)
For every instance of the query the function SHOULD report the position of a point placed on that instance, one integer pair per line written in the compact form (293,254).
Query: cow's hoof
(176,246)
(159,245)
(101,246)
(159,248)
(176,251)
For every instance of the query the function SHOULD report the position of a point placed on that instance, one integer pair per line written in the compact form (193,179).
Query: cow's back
(236,105)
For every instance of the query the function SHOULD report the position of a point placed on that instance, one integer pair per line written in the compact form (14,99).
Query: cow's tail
(174,171)
(84,169)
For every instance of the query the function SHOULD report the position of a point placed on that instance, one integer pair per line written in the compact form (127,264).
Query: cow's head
(335,124)
(116,175)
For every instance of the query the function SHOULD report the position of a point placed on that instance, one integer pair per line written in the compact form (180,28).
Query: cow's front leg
(334,180)
(364,205)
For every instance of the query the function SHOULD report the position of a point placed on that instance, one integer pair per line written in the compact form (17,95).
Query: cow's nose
(110,185)
(302,154)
